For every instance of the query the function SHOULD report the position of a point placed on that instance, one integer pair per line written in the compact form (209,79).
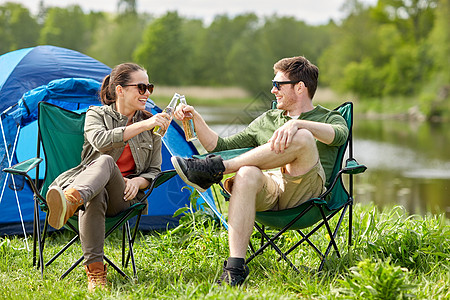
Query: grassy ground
(394,257)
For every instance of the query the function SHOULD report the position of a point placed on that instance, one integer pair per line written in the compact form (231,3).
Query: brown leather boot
(62,205)
(96,274)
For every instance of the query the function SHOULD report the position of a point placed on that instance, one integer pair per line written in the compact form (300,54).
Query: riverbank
(394,256)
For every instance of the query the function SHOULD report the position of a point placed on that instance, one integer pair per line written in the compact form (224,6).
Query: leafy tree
(115,39)
(192,32)
(65,27)
(18,29)
(413,18)
(248,63)
(163,51)
(216,45)
(353,42)
(435,97)
(380,50)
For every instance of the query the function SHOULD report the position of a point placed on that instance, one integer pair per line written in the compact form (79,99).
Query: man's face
(285,94)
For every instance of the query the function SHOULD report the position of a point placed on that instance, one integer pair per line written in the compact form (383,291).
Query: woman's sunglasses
(142,87)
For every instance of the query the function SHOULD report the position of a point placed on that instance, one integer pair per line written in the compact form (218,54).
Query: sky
(313,12)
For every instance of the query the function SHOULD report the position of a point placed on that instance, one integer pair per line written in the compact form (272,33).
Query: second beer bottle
(188,123)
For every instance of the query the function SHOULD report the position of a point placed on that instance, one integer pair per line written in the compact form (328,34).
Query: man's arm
(321,131)
(207,137)
(282,137)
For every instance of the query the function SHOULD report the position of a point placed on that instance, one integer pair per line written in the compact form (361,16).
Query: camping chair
(61,136)
(323,208)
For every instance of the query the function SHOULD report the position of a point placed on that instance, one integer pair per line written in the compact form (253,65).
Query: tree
(413,18)
(163,51)
(115,39)
(435,96)
(65,27)
(216,44)
(18,29)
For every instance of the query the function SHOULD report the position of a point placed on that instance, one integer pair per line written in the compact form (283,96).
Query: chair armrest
(24,167)
(162,177)
(157,181)
(226,154)
(353,167)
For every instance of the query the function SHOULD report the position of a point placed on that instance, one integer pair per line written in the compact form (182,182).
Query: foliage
(65,27)
(116,37)
(380,280)
(17,28)
(162,47)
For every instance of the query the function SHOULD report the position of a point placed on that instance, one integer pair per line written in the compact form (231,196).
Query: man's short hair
(298,68)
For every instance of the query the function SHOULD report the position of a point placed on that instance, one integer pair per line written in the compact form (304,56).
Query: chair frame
(40,203)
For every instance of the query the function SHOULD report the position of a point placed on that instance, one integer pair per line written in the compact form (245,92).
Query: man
(299,138)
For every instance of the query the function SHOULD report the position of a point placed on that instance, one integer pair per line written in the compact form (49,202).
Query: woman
(120,157)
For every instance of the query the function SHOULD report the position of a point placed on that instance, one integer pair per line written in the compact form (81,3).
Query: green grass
(394,256)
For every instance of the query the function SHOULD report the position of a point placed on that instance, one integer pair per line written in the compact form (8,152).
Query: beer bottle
(188,123)
(169,110)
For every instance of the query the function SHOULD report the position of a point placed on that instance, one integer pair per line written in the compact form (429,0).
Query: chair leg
(39,240)
(130,248)
(71,268)
(66,246)
(270,241)
(34,235)
(350,222)
(262,238)
(332,235)
(123,245)
(133,238)
(44,233)
(114,267)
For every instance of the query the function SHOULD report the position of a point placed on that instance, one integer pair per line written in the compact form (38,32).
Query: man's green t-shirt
(259,132)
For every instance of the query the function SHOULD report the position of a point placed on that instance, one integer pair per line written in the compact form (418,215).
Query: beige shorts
(282,191)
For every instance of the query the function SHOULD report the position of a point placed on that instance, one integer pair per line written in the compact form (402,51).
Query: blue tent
(33,77)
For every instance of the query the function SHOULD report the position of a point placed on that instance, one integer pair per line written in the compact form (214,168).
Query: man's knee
(249,177)
(304,139)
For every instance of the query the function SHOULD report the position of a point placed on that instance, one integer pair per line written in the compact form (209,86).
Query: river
(408,162)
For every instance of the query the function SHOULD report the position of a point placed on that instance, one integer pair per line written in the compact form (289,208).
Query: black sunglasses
(277,84)
(142,87)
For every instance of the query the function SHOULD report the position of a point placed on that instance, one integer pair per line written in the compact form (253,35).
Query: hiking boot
(62,205)
(233,276)
(96,274)
(200,173)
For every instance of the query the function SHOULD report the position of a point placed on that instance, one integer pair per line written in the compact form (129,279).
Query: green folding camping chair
(61,136)
(317,211)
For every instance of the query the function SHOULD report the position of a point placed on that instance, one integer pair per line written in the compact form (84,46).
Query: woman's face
(133,100)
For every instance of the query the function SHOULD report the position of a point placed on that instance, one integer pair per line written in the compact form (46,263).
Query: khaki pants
(101,186)
(283,191)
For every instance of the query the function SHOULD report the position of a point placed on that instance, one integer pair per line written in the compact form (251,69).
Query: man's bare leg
(241,212)
(298,159)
